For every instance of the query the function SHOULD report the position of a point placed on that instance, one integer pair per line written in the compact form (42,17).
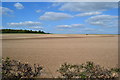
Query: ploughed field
(52,50)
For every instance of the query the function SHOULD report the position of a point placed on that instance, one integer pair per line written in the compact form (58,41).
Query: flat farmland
(52,50)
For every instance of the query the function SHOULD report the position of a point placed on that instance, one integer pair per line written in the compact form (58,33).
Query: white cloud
(18,5)
(88,14)
(5,11)
(103,20)
(60,29)
(54,16)
(61,0)
(36,27)
(83,0)
(56,4)
(26,23)
(70,26)
(38,11)
(93,31)
(88,6)
(89,29)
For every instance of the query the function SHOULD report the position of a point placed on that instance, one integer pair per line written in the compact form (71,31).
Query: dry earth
(52,50)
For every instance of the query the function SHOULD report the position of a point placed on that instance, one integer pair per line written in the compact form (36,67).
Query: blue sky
(62,17)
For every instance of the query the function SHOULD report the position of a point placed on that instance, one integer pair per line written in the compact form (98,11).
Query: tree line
(21,31)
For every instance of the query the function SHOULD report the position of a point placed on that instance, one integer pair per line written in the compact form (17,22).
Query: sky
(61,17)
(60,0)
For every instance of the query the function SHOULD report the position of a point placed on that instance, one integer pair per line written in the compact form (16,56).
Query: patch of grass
(16,70)
(87,70)
(13,69)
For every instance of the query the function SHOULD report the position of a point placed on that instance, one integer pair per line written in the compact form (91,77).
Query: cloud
(38,11)
(103,20)
(93,31)
(54,16)
(70,26)
(88,6)
(56,4)
(88,14)
(84,0)
(5,11)
(18,5)
(36,27)
(26,23)
(89,29)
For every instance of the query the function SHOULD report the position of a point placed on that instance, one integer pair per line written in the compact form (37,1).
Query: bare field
(52,50)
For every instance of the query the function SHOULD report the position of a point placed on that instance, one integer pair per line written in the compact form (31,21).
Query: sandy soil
(53,50)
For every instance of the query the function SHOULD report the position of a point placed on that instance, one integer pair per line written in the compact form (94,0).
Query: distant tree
(21,31)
